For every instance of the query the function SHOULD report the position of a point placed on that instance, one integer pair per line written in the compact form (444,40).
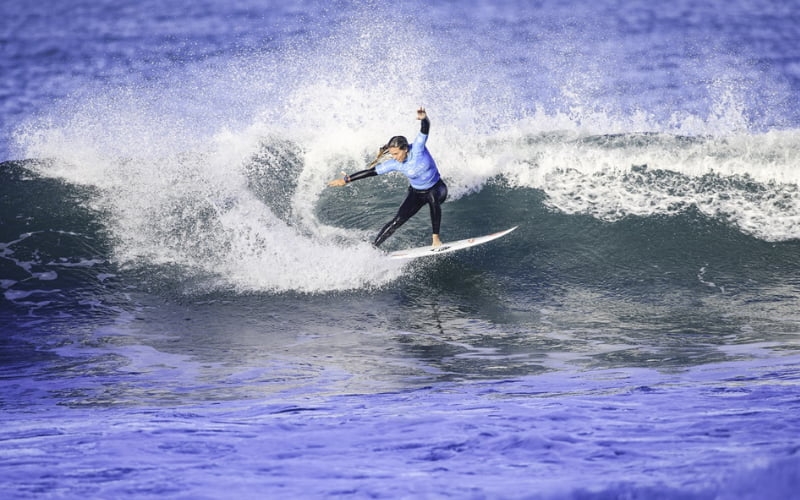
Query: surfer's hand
(421,114)
(337,183)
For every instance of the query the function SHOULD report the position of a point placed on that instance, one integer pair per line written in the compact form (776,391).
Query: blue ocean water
(188,311)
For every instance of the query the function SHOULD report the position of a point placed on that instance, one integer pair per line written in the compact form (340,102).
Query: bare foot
(436,241)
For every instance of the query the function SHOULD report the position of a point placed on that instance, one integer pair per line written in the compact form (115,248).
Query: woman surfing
(416,163)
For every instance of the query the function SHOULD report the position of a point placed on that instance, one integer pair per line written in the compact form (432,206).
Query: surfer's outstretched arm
(363,174)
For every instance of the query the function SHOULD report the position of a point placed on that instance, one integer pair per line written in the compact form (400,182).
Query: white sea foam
(177,198)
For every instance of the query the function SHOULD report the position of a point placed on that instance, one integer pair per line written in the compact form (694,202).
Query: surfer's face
(398,154)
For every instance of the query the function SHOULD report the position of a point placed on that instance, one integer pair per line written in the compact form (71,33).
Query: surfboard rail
(450,246)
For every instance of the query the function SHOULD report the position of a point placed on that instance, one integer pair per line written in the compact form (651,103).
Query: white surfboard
(452,246)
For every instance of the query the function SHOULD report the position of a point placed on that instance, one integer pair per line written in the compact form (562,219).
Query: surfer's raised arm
(425,126)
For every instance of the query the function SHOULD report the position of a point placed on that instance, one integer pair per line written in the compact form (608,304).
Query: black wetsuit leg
(436,196)
(415,200)
(410,206)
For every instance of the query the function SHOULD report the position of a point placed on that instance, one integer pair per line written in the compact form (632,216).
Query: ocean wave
(233,189)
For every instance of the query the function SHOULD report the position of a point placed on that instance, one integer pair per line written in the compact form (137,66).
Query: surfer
(416,163)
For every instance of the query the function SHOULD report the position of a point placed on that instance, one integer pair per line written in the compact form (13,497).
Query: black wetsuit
(421,170)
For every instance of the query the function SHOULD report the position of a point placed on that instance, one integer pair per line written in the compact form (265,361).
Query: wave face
(251,212)
(256,230)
